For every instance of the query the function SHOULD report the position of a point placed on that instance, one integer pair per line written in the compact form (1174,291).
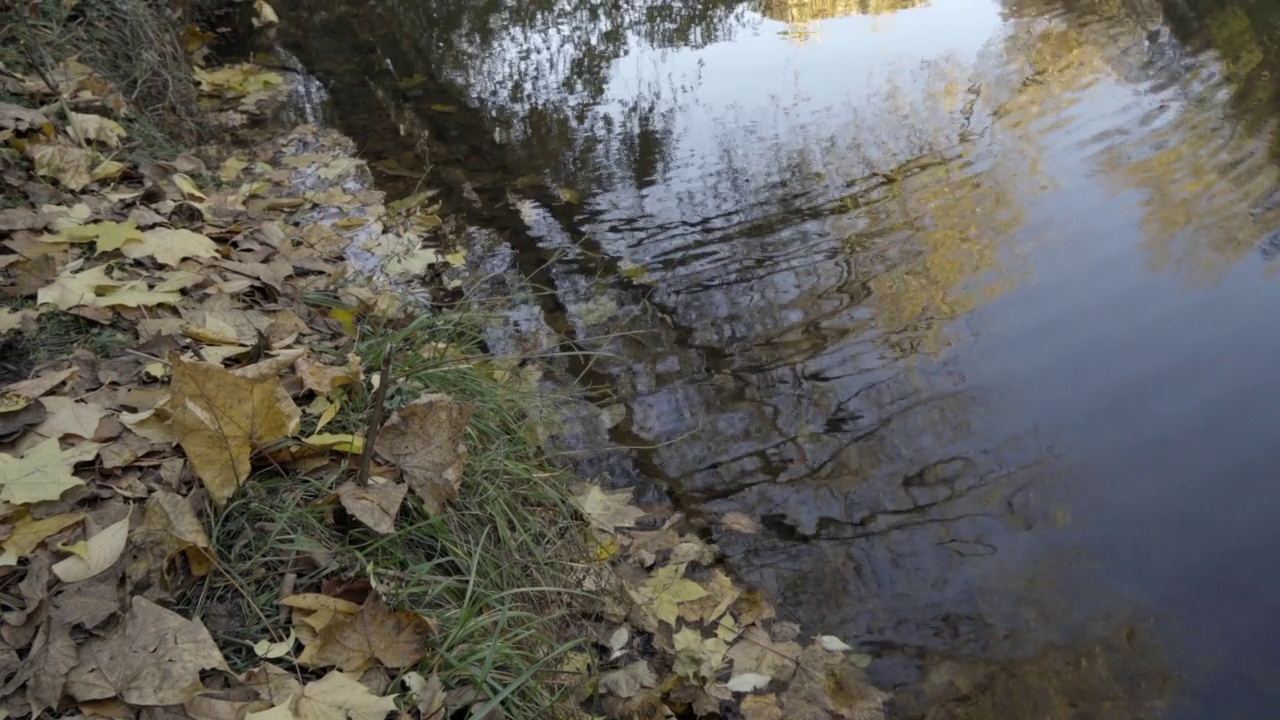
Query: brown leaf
(37,386)
(340,697)
(169,528)
(760,707)
(375,505)
(18,417)
(830,687)
(394,638)
(425,440)
(66,417)
(154,657)
(51,656)
(220,419)
(322,379)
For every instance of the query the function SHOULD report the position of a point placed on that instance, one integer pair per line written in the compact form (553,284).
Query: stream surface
(972,302)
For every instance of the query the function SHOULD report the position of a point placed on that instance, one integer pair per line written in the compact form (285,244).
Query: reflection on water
(970,307)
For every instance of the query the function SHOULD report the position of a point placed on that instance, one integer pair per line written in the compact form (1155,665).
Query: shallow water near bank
(971,302)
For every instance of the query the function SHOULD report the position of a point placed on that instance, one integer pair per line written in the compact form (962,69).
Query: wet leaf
(170,246)
(338,696)
(28,533)
(235,80)
(608,510)
(42,473)
(740,523)
(395,639)
(219,419)
(627,681)
(67,164)
(760,707)
(755,652)
(663,592)
(153,657)
(375,505)
(831,643)
(425,440)
(104,549)
(697,657)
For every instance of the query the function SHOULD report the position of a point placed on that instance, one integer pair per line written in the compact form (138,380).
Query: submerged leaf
(627,681)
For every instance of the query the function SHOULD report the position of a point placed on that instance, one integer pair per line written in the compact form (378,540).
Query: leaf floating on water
(748,682)
(663,592)
(831,643)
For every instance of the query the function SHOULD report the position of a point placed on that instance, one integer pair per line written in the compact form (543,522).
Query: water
(971,302)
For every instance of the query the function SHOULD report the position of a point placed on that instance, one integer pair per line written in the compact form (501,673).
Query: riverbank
(250,469)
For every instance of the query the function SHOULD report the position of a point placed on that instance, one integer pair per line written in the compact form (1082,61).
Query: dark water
(971,301)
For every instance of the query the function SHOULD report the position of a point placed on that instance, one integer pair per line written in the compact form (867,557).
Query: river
(967,300)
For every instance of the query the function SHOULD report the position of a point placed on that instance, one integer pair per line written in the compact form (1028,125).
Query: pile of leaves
(680,639)
(224,309)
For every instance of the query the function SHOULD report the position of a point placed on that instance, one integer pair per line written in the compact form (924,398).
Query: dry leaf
(188,187)
(425,440)
(97,128)
(756,652)
(169,246)
(608,510)
(232,167)
(169,528)
(220,419)
(105,235)
(627,681)
(67,164)
(427,694)
(338,696)
(153,657)
(375,505)
(322,379)
(104,549)
(28,533)
(760,707)
(42,473)
(35,387)
(394,638)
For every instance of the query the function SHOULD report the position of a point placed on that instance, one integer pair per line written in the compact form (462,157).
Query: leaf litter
(109,463)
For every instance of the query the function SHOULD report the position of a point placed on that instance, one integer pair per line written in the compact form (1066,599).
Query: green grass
(495,572)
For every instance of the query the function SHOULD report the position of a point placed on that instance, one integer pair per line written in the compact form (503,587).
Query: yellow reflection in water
(802,16)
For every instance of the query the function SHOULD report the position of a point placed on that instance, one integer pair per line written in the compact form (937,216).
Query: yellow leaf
(270,651)
(74,289)
(106,235)
(232,167)
(189,189)
(266,13)
(236,80)
(665,590)
(104,549)
(107,170)
(42,473)
(323,379)
(220,418)
(608,510)
(28,533)
(157,370)
(169,246)
(79,549)
(345,317)
(169,528)
(346,443)
(97,128)
(136,294)
(339,696)
(69,165)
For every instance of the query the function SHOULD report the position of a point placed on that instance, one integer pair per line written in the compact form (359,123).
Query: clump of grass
(57,335)
(495,572)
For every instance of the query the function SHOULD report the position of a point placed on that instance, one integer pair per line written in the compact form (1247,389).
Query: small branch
(375,419)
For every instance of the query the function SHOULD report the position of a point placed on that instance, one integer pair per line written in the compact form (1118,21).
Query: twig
(375,419)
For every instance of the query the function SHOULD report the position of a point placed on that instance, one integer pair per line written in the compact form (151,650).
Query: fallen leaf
(697,657)
(266,13)
(219,419)
(272,650)
(322,379)
(427,694)
(663,592)
(104,549)
(395,638)
(169,246)
(232,167)
(740,523)
(341,442)
(756,652)
(106,235)
(97,128)
(425,440)
(153,657)
(338,696)
(67,164)
(375,505)
(42,473)
(831,643)
(830,687)
(627,681)
(21,119)
(748,682)
(28,533)
(760,707)
(66,417)
(608,510)
(169,528)
(72,289)
(107,170)
(236,80)
(188,187)
(37,386)
(18,416)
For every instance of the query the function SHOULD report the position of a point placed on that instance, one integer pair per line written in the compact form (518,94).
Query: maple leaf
(425,440)
(663,592)
(756,652)
(697,657)
(153,657)
(220,418)
(97,128)
(42,473)
(74,289)
(67,164)
(375,632)
(338,696)
(105,235)
(375,505)
(322,379)
(169,246)
(608,510)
